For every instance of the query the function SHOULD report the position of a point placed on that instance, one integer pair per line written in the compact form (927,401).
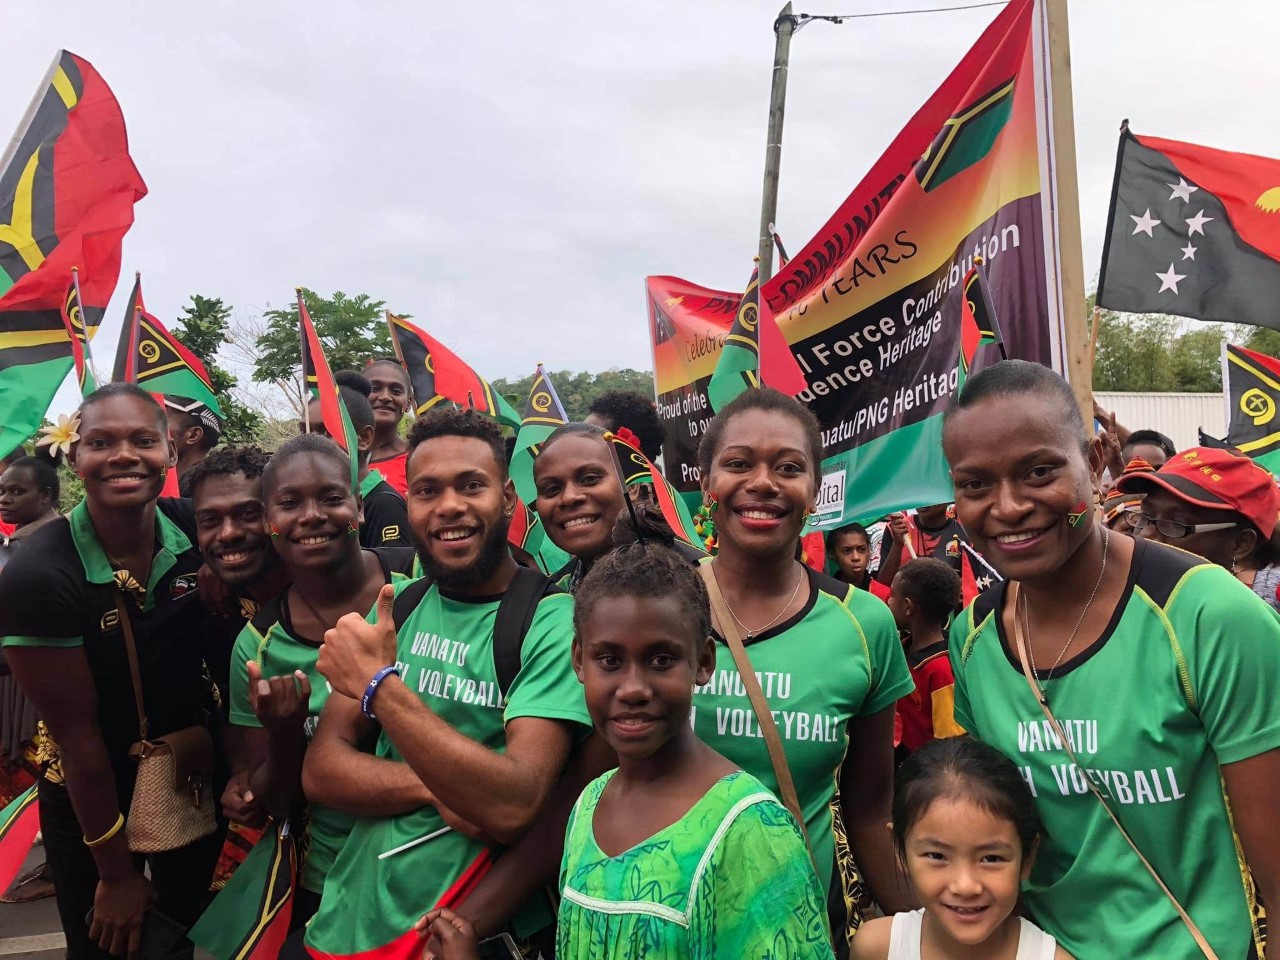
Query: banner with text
(871,305)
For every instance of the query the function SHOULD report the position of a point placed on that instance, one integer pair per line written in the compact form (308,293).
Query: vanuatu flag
(528,533)
(754,352)
(121,371)
(1193,232)
(333,411)
(249,918)
(73,323)
(638,471)
(1252,386)
(19,824)
(67,189)
(543,412)
(978,323)
(436,372)
(158,363)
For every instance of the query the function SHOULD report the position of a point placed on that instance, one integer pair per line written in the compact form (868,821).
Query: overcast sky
(509,173)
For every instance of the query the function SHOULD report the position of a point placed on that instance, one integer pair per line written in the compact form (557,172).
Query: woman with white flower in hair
(96,602)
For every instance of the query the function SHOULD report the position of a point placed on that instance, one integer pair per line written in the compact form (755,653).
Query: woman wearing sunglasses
(1217,504)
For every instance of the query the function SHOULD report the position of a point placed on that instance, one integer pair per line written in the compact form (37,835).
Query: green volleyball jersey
(1181,682)
(838,658)
(268,639)
(392,869)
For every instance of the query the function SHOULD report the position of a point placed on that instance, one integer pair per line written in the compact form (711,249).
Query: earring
(704,522)
(352,529)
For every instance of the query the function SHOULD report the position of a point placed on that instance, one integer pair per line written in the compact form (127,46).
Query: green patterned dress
(731,878)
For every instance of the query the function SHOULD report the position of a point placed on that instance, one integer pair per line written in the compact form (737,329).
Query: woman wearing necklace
(828,656)
(117,554)
(313,517)
(1157,667)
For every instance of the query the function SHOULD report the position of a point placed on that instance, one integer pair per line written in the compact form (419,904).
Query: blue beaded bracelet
(372,688)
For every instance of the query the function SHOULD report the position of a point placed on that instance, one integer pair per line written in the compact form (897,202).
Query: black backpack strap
(408,599)
(515,616)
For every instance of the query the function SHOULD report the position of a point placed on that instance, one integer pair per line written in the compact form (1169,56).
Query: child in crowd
(849,548)
(965,829)
(925,594)
(723,868)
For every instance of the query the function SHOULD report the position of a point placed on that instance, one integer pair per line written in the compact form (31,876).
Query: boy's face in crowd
(852,553)
(230,527)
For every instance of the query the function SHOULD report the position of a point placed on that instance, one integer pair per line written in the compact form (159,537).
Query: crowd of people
(656,751)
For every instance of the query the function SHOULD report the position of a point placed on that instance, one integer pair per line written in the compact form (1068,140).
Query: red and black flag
(978,323)
(67,190)
(249,918)
(73,323)
(123,370)
(1193,232)
(639,471)
(1251,382)
(19,824)
(436,373)
(333,411)
(777,242)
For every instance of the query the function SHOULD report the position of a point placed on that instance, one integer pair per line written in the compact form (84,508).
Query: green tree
(578,390)
(1149,353)
(202,329)
(351,330)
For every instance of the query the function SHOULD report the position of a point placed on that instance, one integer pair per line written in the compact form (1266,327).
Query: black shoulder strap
(408,599)
(515,615)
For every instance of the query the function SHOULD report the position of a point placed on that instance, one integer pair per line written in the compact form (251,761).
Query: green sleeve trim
(63,642)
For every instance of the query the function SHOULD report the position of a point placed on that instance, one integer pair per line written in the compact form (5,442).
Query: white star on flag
(1189,252)
(983,582)
(1196,224)
(1144,223)
(1169,281)
(1181,190)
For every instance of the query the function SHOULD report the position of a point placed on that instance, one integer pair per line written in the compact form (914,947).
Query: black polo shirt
(386,520)
(59,592)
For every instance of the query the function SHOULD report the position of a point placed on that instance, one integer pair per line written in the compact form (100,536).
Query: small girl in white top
(965,829)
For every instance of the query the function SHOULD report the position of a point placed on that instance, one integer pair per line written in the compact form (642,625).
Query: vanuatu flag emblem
(1252,385)
(966,138)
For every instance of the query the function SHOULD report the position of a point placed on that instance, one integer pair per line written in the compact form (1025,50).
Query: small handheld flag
(543,413)
(977,319)
(636,470)
(160,364)
(73,321)
(333,412)
(19,824)
(123,371)
(249,918)
(436,373)
(754,353)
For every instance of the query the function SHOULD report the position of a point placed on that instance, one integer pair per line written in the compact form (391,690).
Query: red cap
(1217,479)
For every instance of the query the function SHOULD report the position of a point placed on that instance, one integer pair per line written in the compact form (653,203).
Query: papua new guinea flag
(1193,232)
(67,190)
(1251,381)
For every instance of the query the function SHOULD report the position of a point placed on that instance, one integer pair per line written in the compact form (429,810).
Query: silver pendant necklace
(1026,621)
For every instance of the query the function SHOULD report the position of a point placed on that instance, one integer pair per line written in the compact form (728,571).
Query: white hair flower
(61,435)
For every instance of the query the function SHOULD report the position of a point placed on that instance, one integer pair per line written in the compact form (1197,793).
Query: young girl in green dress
(677,853)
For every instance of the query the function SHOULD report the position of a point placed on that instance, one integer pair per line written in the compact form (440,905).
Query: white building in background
(1177,415)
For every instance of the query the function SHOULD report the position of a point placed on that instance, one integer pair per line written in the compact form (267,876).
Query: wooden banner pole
(783,27)
(1067,196)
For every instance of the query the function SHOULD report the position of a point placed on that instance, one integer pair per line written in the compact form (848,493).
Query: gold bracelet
(115,828)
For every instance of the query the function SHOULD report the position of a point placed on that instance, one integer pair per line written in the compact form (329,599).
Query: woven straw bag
(172,803)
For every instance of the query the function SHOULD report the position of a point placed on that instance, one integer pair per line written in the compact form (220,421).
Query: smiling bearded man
(465,676)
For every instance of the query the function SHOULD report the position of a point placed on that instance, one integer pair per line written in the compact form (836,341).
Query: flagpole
(84,327)
(1094,326)
(1066,194)
(306,391)
(783,28)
